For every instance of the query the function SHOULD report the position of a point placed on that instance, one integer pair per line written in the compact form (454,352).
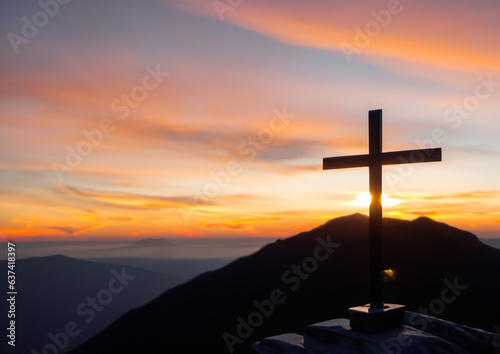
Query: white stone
(419,335)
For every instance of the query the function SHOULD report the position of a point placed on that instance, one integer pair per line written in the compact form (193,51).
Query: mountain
(56,294)
(182,269)
(493,242)
(312,277)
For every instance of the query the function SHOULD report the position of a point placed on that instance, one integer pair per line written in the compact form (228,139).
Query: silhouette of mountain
(311,277)
(153,242)
(57,290)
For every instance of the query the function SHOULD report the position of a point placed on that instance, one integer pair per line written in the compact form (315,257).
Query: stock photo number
(11,293)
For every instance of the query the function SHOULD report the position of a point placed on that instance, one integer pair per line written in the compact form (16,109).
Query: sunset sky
(177,118)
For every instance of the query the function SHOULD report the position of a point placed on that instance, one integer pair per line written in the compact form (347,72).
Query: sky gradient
(186,118)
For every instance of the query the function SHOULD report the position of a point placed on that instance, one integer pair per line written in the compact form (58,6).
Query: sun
(364,200)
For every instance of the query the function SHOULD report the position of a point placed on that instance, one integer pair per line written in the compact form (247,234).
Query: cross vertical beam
(378,316)
(375,219)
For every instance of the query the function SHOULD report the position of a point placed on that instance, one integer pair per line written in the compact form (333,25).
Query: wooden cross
(374,160)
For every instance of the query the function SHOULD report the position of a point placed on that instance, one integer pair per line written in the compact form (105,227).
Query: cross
(374,160)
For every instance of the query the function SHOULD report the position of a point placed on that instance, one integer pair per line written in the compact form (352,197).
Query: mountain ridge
(53,291)
(315,285)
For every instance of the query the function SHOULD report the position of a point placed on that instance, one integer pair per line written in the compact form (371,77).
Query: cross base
(368,320)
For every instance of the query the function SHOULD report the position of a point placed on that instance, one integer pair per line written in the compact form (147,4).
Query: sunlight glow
(364,200)
(389,275)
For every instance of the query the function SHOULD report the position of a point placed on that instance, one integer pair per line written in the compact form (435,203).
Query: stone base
(367,320)
(419,335)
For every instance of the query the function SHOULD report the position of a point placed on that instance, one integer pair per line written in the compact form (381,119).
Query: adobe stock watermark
(248,149)
(87,310)
(31,26)
(454,118)
(448,295)
(223,6)
(292,278)
(121,106)
(363,37)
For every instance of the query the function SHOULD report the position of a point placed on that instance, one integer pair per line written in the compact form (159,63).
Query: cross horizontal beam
(385,158)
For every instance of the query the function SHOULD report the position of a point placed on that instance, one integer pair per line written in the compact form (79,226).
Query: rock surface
(420,334)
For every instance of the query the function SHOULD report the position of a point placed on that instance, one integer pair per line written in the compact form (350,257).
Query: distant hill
(493,242)
(182,269)
(54,291)
(153,242)
(312,277)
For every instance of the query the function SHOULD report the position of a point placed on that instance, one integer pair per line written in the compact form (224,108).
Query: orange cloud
(129,200)
(325,24)
(70,230)
(239,224)
(465,195)
(32,223)
(187,232)
(32,232)
(24,222)
(422,213)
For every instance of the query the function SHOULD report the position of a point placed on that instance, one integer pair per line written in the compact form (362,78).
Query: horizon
(422,256)
(132,239)
(176,118)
